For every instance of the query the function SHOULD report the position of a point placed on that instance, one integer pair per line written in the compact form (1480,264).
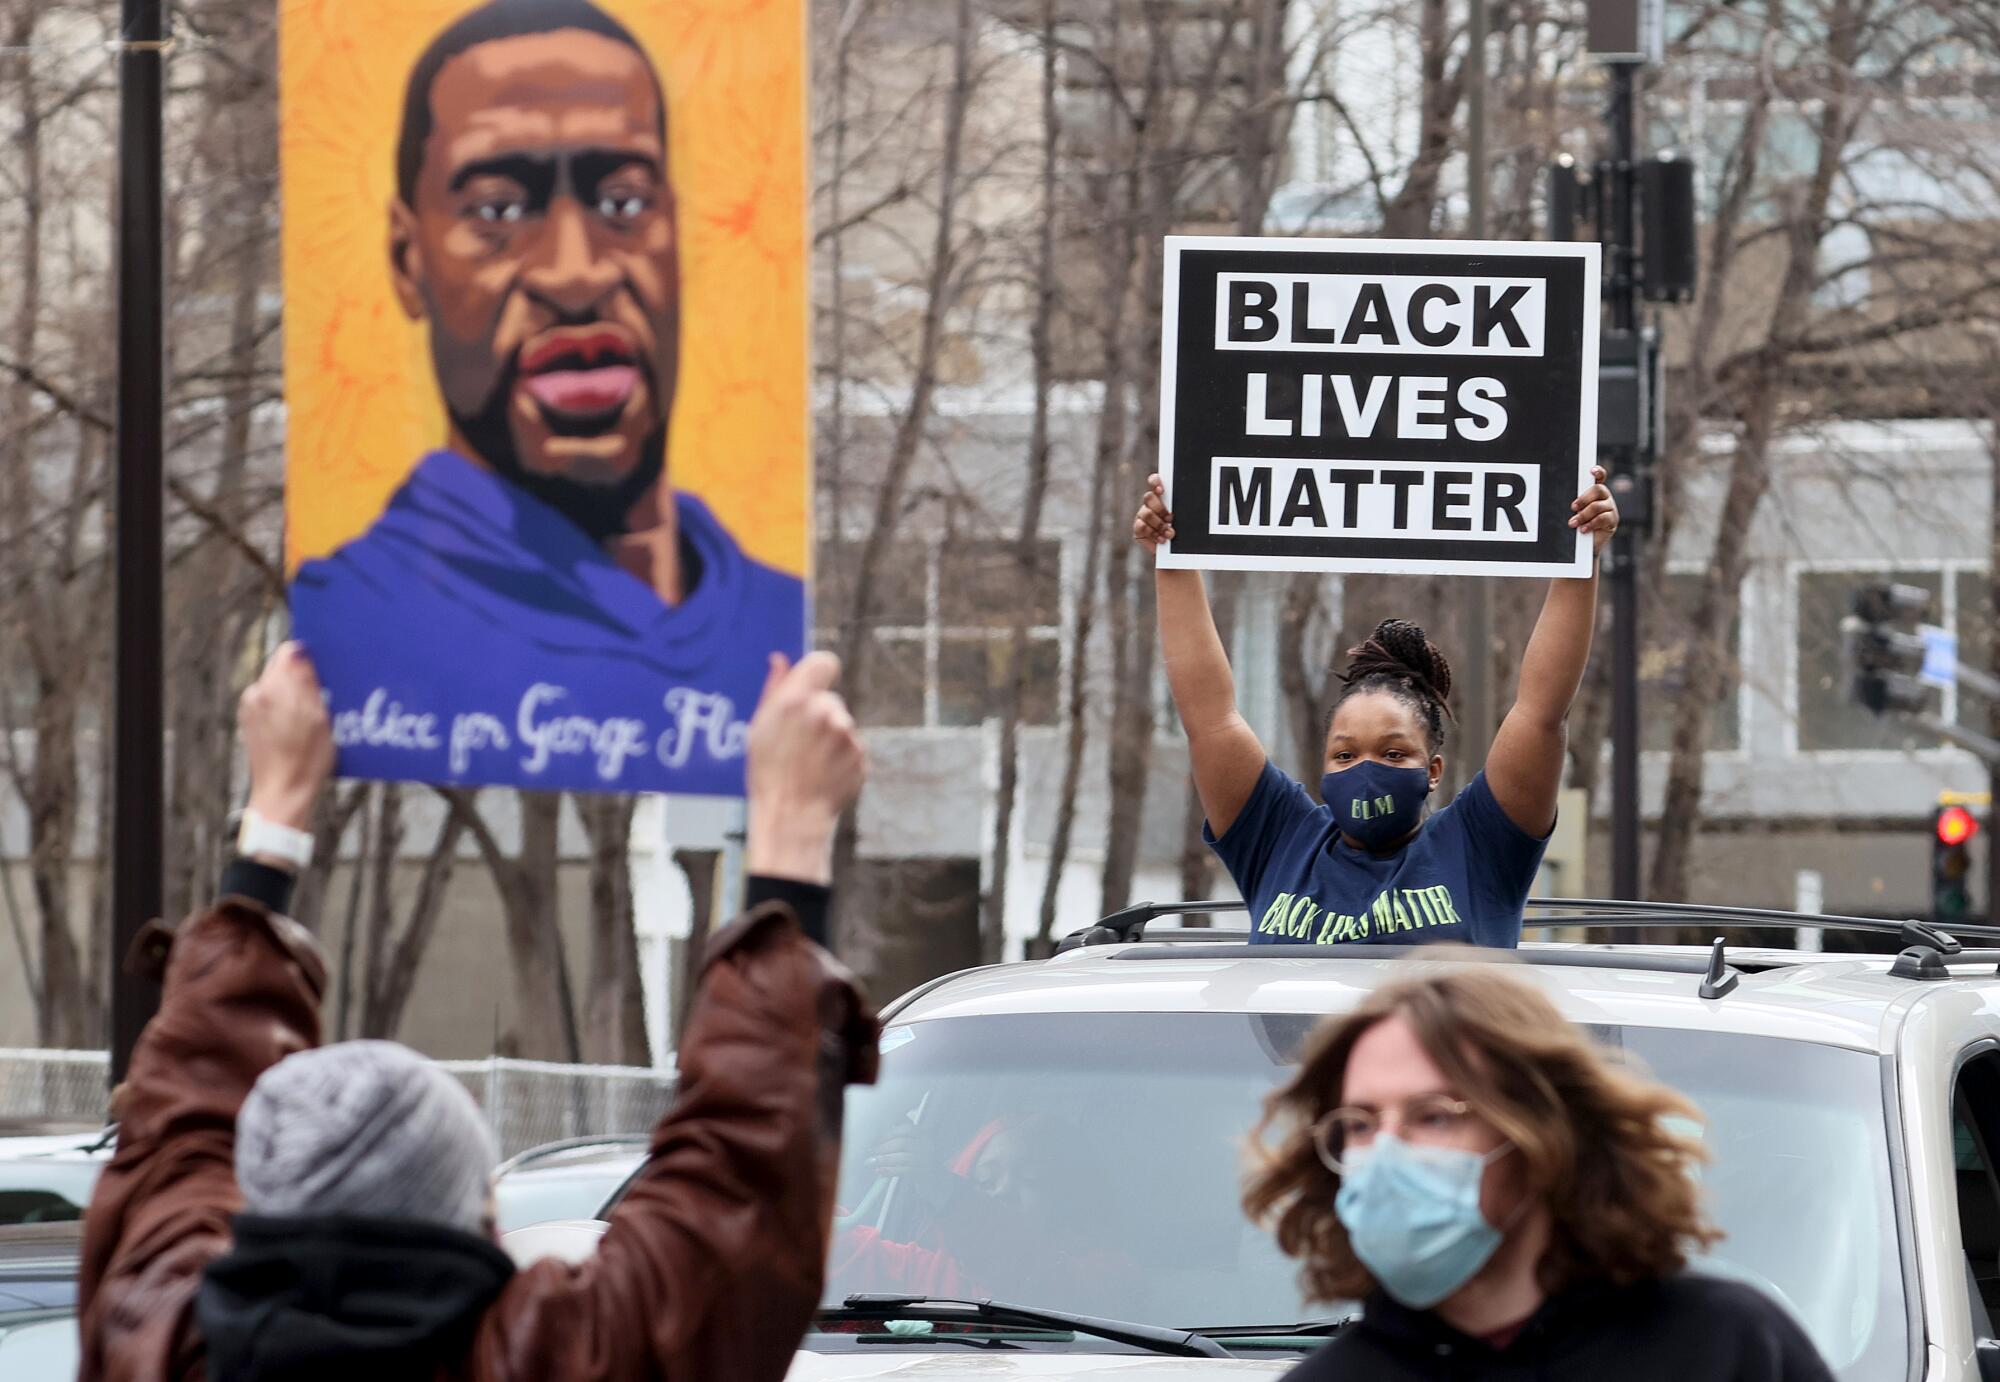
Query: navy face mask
(1375,803)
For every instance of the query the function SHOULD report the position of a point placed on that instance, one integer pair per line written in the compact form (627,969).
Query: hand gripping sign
(1421,406)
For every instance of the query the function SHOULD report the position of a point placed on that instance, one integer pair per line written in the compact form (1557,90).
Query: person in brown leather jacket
(713,1262)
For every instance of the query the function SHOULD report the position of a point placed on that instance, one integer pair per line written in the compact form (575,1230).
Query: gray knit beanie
(366,1128)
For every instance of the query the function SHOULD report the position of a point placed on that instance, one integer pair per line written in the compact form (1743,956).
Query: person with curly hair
(1368,862)
(1504,1200)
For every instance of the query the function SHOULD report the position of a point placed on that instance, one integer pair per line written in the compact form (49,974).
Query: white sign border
(1165,558)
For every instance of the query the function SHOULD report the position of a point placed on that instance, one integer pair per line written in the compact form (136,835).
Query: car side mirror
(1987,1351)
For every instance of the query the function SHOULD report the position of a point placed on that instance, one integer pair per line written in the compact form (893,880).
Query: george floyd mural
(546,377)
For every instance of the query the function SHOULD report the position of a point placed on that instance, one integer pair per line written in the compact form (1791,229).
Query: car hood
(912,1365)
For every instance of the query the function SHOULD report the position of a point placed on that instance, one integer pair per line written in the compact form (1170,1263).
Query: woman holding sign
(1373,864)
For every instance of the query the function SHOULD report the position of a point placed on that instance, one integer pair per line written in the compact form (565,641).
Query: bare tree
(1261,117)
(223,586)
(1106,187)
(1174,176)
(614,1009)
(1836,91)
(699,866)
(545,1021)
(396,951)
(52,464)
(336,812)
(942,284)
(1027,545)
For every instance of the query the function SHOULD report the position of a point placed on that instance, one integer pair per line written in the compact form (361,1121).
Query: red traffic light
(1956,825)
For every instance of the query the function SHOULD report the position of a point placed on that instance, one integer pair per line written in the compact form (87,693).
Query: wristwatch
(259,838)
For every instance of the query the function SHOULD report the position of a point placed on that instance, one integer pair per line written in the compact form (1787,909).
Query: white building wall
(1860,497)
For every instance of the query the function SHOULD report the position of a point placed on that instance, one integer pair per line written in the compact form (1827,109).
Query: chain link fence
(527,1102)
(532,1102)
(51,1089)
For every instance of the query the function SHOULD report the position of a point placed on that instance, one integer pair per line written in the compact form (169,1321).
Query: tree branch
(895,195)
(219,524)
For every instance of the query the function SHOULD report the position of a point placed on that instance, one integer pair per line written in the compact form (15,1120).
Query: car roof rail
(1130,923)
(1698,963)
(1704,913)
(1927,952)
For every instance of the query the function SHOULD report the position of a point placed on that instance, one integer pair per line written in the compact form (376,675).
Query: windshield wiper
(1307,1329)
(1178,1343)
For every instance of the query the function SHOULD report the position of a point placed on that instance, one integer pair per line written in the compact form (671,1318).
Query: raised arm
(243,986)
(715,1258)
(1223,751)
(1524,767)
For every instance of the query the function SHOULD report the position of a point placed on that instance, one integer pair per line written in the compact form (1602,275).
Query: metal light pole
(1622,572)
(138,722)
(1993,702)
(1478,662)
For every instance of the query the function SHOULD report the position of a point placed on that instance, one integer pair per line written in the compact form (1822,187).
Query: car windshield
(1092,1163)
(45,1351)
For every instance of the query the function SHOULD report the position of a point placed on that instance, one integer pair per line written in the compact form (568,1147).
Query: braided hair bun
(1400,658)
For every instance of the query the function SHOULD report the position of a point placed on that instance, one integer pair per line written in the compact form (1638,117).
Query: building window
(972,678)
(896,680)
(944,628)
(1668,648)
(1828,717)
(1841,267)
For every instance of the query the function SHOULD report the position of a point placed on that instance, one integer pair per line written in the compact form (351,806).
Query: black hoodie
(344,1298)
(1686,1329)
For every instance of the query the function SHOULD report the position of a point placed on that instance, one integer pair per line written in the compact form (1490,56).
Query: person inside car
(997,1209)
(1505,1201)
(1367,863)
(278,1209)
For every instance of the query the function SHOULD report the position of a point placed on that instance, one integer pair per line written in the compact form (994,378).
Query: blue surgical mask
(1412,1215)
(1375,803)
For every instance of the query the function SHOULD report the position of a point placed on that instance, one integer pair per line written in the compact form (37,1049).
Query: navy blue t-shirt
(1465,877)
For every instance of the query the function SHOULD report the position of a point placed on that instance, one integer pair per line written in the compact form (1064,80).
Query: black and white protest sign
(1419,406)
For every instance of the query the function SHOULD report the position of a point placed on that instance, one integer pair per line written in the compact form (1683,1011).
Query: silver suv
(1049,1164)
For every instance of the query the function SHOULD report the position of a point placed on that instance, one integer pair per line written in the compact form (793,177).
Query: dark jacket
(711,1267)
(1686,1329)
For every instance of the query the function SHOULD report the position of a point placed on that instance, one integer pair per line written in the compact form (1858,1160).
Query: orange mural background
(361,402)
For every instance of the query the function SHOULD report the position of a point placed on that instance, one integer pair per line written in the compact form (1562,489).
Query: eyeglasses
(1429,1120)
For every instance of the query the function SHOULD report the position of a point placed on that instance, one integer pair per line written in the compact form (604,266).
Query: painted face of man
(541,248)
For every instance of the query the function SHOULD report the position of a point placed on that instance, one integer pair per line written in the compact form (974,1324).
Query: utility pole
(1626,35)
(1622,573)
(138,719)
(1993,613)
(1478,704)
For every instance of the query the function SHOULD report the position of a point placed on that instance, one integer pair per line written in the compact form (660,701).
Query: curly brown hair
(1400,658)
(1592,1137)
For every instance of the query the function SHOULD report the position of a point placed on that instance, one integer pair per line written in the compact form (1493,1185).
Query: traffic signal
(1880,661)
(1667,204)
(1951,863)
(1889,603)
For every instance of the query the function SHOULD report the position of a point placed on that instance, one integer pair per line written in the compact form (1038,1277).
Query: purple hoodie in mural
(474,635)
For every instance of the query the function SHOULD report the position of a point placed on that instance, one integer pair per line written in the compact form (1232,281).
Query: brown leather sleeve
(242,992)
(715,1258)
